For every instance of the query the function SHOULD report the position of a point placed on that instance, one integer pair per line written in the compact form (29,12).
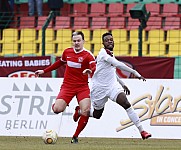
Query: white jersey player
(106,84)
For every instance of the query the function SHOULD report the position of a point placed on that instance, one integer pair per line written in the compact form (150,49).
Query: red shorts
(67,93)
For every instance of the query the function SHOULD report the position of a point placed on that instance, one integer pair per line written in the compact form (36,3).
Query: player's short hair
(78,33)
(105,34)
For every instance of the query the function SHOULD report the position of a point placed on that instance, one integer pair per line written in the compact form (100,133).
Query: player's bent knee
(56,109)
(56,112)
(59,106)
(124,102)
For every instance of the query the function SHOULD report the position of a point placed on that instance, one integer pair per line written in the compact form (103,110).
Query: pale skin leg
(85,105)
(60,106)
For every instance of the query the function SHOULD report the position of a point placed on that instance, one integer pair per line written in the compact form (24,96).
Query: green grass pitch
(36,143)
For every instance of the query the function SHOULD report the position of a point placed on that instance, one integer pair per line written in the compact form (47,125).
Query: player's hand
(126,90)
(141,78)
(38,73)
(87,71)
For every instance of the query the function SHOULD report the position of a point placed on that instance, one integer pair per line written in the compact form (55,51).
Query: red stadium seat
(79,9)
(116,23)
(154,23)
(40,22)
(81,23)
(153,8)
(170,10)
(97,9)
(172,23)
(27,22)
(128,7)
(133,24)
(115,9)
(62,22)
(98,23)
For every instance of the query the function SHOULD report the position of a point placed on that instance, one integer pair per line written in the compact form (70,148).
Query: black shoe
(74,140)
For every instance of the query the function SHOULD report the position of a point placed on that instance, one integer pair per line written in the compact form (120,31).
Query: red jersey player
(79,62)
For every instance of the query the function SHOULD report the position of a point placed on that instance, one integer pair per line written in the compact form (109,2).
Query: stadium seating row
(95,18)
(120,9)
(29,41)
(109,1)
(114,15)
(102,9)
(98,22)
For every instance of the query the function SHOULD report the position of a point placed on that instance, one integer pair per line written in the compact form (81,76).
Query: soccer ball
(50,137)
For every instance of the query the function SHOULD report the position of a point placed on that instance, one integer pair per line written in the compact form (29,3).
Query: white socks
(91,112)
(134,118)
(132,115)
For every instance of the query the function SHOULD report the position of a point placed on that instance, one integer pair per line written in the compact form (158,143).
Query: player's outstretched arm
(141,78)
(124,67)
(54,66)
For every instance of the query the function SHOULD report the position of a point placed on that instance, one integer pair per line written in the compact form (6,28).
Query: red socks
(81,125)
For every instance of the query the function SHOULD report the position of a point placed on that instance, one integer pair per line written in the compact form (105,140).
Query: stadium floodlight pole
(139,12)
(140,29)
(49,18)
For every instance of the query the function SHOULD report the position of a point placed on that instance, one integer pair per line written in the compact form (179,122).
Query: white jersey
(105,73)
(105,77)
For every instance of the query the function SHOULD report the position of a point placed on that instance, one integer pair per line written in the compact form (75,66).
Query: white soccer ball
(50,137)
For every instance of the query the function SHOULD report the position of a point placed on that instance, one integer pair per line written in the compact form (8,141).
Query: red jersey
(77,62)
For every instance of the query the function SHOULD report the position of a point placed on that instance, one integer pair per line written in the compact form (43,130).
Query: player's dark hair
(78,33)
(105,34)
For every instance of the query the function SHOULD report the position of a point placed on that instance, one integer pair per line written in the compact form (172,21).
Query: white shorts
(99,95)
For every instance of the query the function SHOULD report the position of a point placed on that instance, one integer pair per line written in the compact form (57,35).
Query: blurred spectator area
(162,37)
(21,35)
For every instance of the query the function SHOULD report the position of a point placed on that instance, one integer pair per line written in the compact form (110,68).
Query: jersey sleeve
(122,66)
(54,66)
(63,58)
(92,63)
